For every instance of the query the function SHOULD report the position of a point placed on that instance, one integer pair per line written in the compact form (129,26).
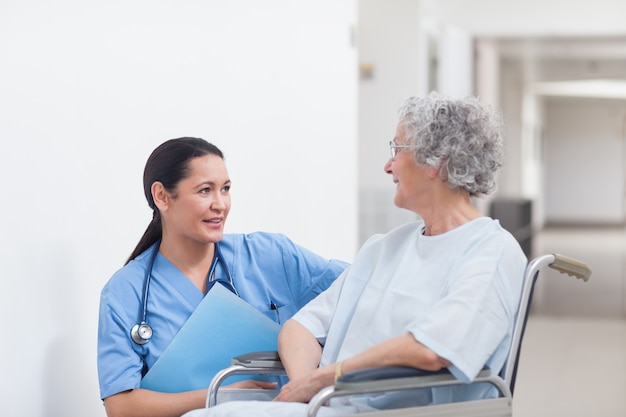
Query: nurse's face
(200,205)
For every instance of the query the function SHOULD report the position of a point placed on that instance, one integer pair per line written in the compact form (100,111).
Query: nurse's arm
(142,402)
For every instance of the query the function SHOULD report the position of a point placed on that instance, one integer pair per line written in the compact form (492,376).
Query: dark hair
(168,164)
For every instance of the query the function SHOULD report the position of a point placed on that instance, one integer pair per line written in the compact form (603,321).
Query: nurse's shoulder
(259,241)
(130,277)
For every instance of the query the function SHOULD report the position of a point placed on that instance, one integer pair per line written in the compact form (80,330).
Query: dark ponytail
(168,164)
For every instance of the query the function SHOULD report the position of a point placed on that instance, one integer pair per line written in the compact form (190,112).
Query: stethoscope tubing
(146,282)
(142,331)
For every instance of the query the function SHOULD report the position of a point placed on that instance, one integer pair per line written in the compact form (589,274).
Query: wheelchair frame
(386,379)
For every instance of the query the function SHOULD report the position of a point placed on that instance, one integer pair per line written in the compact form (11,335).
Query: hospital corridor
(573,360)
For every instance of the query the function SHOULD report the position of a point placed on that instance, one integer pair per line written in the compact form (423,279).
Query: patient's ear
(160,195)
(440,171)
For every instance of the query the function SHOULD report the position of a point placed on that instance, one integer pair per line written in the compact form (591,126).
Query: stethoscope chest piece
(141,333)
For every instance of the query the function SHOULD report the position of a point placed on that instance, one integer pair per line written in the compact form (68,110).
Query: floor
(573,360)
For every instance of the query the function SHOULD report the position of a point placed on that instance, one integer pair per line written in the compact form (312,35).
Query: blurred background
(302,96)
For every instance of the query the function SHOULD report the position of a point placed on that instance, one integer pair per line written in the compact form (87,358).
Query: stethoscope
(141,333)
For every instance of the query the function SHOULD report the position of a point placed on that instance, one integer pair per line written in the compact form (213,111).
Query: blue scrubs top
(269,271)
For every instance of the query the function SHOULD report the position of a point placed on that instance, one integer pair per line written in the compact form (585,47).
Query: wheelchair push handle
(570,266)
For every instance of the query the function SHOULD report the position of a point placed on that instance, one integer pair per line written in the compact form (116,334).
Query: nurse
(182,253)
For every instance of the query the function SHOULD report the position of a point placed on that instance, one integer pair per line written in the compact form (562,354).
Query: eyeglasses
(394,148)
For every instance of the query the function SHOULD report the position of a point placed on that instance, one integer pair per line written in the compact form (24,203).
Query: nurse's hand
(252,383)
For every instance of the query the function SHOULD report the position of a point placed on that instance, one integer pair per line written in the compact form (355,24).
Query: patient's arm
(401,350)
(299,350)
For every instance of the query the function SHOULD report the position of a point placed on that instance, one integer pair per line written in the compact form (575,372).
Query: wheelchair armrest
(255,363)
(396,378)
(390,378)
(387,372)
(266,359)
(402,377)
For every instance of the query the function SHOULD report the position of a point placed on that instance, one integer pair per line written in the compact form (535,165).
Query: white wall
(87,90)
(456,62)
(392,45)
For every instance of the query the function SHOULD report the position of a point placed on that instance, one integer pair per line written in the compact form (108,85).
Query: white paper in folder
(222,327)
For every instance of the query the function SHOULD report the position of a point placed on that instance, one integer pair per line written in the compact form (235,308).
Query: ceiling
(532,18)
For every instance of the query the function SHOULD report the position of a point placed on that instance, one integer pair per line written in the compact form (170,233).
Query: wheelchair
(389,379)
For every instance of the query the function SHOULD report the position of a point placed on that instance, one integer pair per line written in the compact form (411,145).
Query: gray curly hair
(462,136)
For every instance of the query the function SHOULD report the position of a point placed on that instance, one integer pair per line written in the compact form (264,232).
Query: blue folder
(222,327)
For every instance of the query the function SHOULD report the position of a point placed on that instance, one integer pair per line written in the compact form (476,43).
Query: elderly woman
(439,292)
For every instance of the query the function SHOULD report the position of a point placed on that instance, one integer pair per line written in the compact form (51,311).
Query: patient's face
(412,181)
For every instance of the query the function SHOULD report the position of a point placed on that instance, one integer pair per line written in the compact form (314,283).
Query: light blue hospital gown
(457,293)
(270,272)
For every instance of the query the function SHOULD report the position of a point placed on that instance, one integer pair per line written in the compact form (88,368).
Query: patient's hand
(252,383)
(303,389)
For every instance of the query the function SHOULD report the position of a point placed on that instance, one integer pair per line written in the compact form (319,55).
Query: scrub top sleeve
(310,274)
(119,365)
